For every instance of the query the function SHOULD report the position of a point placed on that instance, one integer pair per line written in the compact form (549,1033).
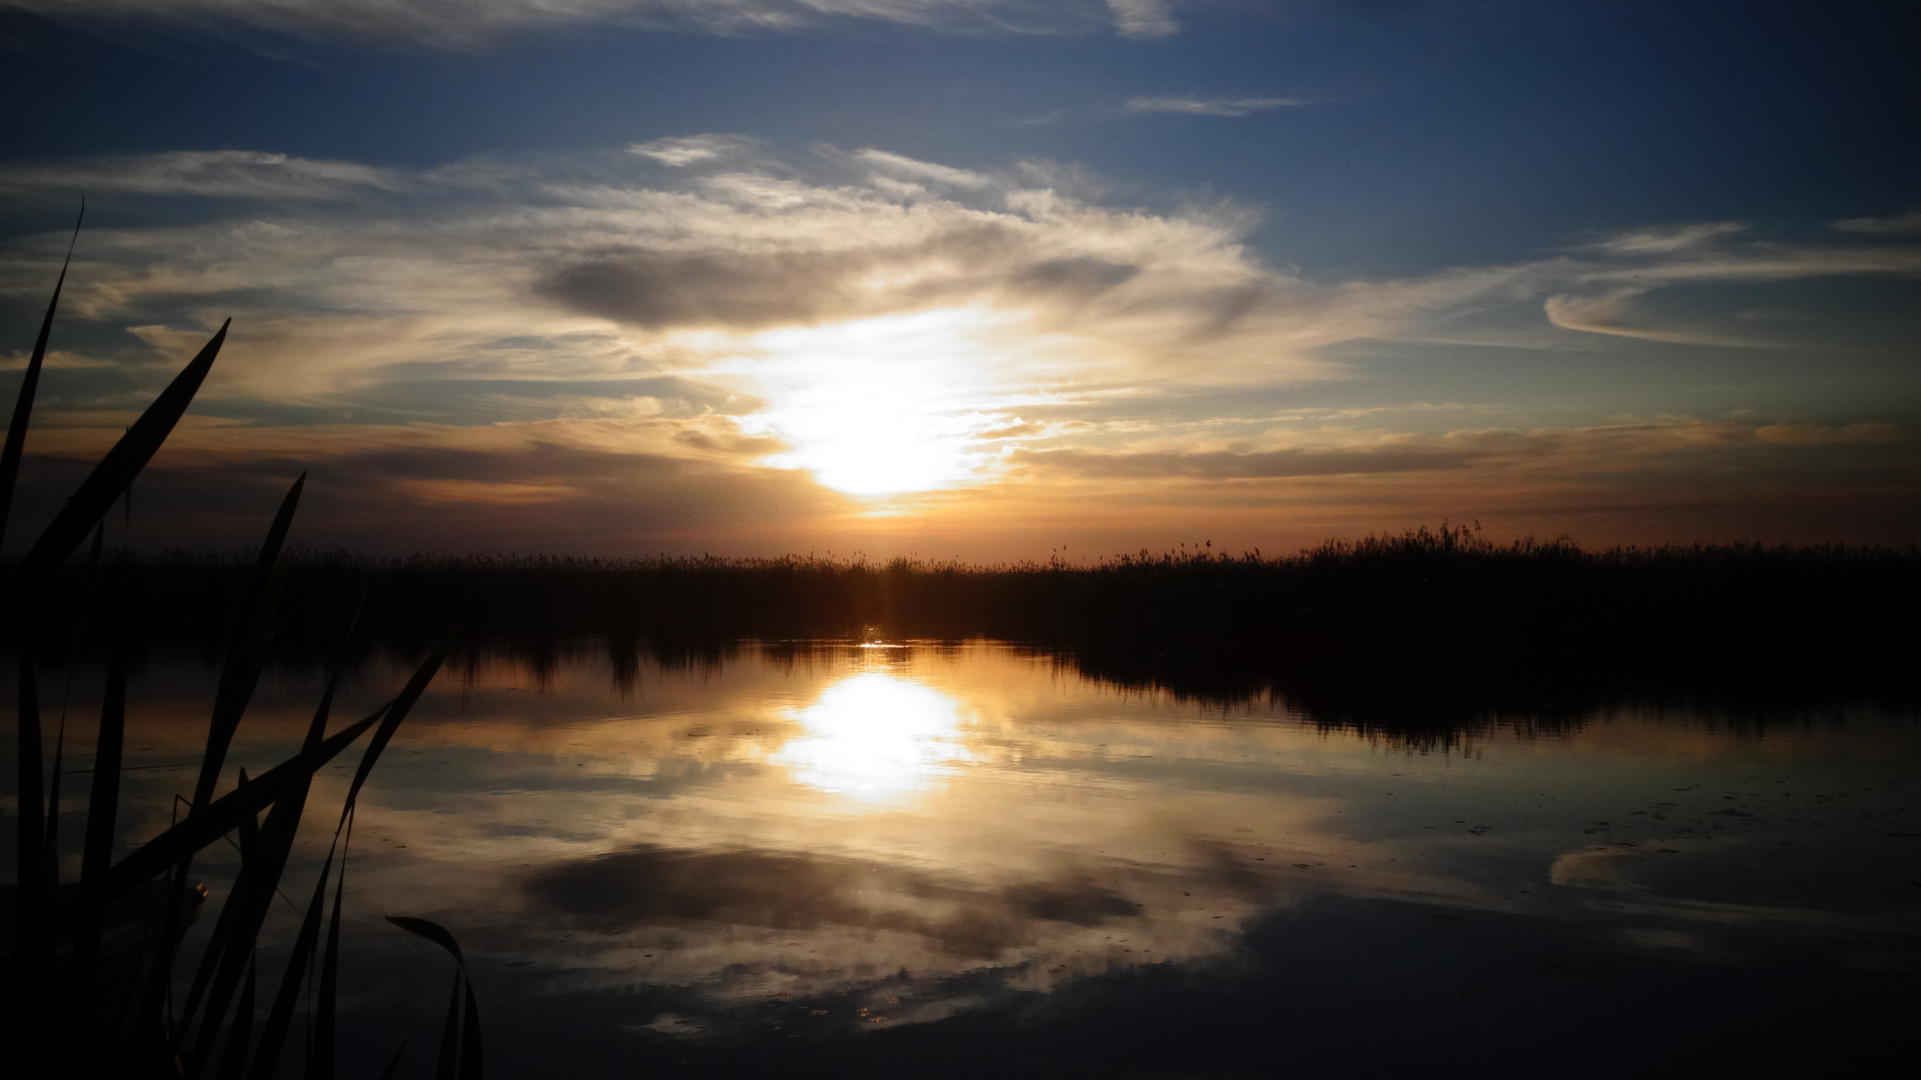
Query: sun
(881,406)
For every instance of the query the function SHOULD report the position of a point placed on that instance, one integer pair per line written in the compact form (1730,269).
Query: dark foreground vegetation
(88,967)
(1435,619)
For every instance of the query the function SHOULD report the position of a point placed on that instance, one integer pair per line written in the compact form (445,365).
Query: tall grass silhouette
(88,980)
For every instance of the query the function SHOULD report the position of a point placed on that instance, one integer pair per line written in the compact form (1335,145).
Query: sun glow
(876,736)
(884,405)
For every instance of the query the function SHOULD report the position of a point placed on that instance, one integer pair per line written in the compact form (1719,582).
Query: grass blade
(250,904)
(455,1062)
(248,650)
(29,386)
(97,856)
(470,1036)
(241,1034)
(35,888)
(230,914)
(220,817)
(98,853)
(393,1063)
(53,814)
(432,931)
(60,740)
(320,1059)
(108,480)
(409,694)
(31,854)
(273,1036)
(249,833)
(447,1066)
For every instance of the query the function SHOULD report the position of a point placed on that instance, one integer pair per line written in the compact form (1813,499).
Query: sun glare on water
(876,736)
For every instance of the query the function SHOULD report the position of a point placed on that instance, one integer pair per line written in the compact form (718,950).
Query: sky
(965,279)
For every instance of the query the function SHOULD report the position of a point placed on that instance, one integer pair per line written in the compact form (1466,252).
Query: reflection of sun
(875,736)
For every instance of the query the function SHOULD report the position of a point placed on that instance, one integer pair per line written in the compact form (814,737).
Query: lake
(920,859)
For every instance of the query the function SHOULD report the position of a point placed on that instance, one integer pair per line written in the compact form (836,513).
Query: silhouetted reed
(87,977)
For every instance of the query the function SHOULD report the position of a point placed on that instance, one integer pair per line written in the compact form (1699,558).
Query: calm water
(919,860)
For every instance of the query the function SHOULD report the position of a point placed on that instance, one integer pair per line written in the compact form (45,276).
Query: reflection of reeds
(88,981)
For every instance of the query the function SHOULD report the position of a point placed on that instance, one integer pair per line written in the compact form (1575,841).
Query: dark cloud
(396,498)
(661,289)
(755,290)
(1077,276)
(1081,902)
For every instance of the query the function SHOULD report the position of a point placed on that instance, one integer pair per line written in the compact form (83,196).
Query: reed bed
(1432,617)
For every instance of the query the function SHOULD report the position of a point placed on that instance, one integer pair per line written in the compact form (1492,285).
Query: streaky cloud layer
(697,341)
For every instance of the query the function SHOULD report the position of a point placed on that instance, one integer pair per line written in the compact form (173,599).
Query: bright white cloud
(1142,18)
(683,151)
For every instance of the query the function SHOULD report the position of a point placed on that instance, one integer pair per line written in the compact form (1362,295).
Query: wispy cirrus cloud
(476,23)
(1197,106)
(202,174)
(1898,224)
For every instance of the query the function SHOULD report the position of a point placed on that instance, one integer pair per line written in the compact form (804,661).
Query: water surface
(964,859)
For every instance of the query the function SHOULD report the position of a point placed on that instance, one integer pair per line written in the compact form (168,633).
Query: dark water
(962,861)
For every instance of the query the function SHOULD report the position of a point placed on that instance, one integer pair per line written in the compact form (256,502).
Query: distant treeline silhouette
(1430,616)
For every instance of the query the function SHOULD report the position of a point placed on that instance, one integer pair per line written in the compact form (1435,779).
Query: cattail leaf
(29,385)
(109,479)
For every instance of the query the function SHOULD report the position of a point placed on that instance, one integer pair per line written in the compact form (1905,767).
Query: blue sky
(980,279)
